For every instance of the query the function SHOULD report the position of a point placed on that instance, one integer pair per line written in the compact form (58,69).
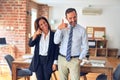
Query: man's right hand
(63,25)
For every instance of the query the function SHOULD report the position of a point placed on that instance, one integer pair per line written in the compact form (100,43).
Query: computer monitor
(92,43)
(2,40)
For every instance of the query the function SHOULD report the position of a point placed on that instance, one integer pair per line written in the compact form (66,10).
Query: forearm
(83,54)
(57,36)
(31,43)
(84,46)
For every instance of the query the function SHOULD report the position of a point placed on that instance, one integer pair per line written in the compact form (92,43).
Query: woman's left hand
(54,67)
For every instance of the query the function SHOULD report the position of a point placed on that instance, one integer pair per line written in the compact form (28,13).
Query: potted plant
(101,44)
(104,36)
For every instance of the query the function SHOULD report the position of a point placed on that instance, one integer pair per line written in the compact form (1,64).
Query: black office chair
(84,75)
(116,75)
(3,41)
(20,72)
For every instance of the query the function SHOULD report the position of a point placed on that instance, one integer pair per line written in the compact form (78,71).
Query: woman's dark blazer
(53,51)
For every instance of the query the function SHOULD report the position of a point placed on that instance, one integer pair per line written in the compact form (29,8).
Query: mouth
(73,23)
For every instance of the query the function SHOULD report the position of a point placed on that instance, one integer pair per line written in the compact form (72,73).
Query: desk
(18,64)
(7,49)
(108,69)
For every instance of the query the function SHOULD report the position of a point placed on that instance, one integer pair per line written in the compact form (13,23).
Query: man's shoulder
(80,27)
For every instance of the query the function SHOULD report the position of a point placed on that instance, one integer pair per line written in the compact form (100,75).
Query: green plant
(104,36)
(101,44)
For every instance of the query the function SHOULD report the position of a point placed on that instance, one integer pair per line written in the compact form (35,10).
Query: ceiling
(79,3)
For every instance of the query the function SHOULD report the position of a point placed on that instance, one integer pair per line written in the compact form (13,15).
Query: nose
(73,20)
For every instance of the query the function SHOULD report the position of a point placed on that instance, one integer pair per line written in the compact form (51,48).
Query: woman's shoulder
(52,31)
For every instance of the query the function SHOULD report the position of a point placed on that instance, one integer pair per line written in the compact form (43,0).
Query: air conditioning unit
(92,11)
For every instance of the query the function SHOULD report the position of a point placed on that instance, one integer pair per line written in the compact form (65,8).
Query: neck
(46,33)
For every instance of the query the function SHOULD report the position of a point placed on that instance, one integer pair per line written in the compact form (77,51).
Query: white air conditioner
(92,11)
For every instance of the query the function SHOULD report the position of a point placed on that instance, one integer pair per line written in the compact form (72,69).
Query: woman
(45,52)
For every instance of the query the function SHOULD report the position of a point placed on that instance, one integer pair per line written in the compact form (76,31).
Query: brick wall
(15,22)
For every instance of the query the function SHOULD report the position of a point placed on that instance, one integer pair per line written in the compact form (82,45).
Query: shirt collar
(46,35)
(69,26)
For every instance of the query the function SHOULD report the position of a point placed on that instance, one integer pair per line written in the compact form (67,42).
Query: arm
(54,66)
(56,52)
(32,42)
(34,38)
(58,33)
(84,45)
(57,36)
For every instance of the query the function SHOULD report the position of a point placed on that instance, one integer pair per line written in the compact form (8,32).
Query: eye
(44,22)
(75,17)
(41,24)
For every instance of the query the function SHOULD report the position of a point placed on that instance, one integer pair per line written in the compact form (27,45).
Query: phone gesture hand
(38,32)
(62,25)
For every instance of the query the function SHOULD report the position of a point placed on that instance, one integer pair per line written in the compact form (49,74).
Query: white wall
(110,19)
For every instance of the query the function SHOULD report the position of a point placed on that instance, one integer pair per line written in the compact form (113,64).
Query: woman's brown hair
(36,24)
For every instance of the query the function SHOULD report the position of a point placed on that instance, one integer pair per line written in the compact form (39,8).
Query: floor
(5,72)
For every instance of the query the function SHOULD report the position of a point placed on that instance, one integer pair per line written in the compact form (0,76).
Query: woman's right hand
(38,32)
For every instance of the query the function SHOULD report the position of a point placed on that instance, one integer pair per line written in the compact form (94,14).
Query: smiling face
(72,18)
(43,26)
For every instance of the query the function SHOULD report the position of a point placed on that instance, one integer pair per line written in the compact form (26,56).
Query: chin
(73,24)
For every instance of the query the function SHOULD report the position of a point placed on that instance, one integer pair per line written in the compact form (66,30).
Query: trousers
(65,67)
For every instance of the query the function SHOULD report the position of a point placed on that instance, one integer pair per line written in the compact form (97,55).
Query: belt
(70,57)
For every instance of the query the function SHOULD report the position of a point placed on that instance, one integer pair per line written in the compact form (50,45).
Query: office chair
(20,72)
(3,41)
(84,75)
(116,75)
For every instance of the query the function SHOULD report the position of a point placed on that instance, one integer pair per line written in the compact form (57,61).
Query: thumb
(62,21)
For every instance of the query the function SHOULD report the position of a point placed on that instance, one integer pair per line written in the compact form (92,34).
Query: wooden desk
(18,64)
(108,69)
(7,49)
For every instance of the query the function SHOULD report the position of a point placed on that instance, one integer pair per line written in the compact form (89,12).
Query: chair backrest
(9,60)
(3,40)
(116,74)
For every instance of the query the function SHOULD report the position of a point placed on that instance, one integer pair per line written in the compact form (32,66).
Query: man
(72,51)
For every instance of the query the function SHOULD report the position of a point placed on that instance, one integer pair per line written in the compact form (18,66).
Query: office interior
(17,21)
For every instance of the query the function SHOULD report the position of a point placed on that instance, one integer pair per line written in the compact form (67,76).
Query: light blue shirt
(79,41)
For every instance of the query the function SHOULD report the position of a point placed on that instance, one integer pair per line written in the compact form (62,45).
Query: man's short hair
(70,10)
